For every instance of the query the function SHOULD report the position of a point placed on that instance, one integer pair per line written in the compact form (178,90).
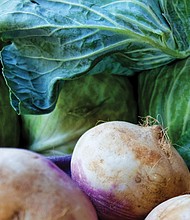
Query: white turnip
(176,208)
(127,169)
(34,188)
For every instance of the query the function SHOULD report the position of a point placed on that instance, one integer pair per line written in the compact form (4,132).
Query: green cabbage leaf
(78,109)
(177,14)
(49,41)
(164,94)
(183,147)
(9,120)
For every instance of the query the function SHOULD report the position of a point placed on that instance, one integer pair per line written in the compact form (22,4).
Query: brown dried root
(162,136)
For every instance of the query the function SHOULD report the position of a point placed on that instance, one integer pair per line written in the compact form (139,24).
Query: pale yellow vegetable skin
(176,208)
(33,188)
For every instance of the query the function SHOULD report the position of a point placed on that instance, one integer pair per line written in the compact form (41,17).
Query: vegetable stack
(76,75)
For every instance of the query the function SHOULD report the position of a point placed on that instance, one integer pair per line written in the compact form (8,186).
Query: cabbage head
(164,94)
(82,104)
(49,40)
(9,120)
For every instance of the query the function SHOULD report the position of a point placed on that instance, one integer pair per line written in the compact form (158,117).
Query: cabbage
(49,40)
(183,147)
(164,94)
(82,104)
(9,120)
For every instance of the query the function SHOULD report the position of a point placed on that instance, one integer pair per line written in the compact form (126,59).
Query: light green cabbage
(82,104)
(164,94)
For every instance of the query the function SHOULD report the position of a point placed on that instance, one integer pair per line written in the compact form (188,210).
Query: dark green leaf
(177,14)
(59,40)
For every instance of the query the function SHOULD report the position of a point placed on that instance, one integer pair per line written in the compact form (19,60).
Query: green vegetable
(9,120)
(53,40)
(164,94)
(82,104)
(183,147)
(177,14)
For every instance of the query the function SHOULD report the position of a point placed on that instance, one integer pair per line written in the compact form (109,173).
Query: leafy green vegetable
(164,94)
(54,40)
(183,147)
(9,120)
(82,104)
(177,14)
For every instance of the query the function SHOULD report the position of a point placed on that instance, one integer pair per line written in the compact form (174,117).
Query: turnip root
(34,188)
(176,208)
(127,169)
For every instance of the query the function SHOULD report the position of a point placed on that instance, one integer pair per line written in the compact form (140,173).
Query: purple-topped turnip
(34,188)
(127,169)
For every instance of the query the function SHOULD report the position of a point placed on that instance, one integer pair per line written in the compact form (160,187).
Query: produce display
(94,109)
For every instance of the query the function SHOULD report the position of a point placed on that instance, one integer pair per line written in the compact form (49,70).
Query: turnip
(34,188)
(176,208)
(127,169)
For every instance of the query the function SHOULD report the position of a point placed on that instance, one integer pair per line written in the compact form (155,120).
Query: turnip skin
(127,169)
(34,188)
(63,162)
(176,208)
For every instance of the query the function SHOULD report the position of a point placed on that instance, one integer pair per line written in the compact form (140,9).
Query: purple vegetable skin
(63,162)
